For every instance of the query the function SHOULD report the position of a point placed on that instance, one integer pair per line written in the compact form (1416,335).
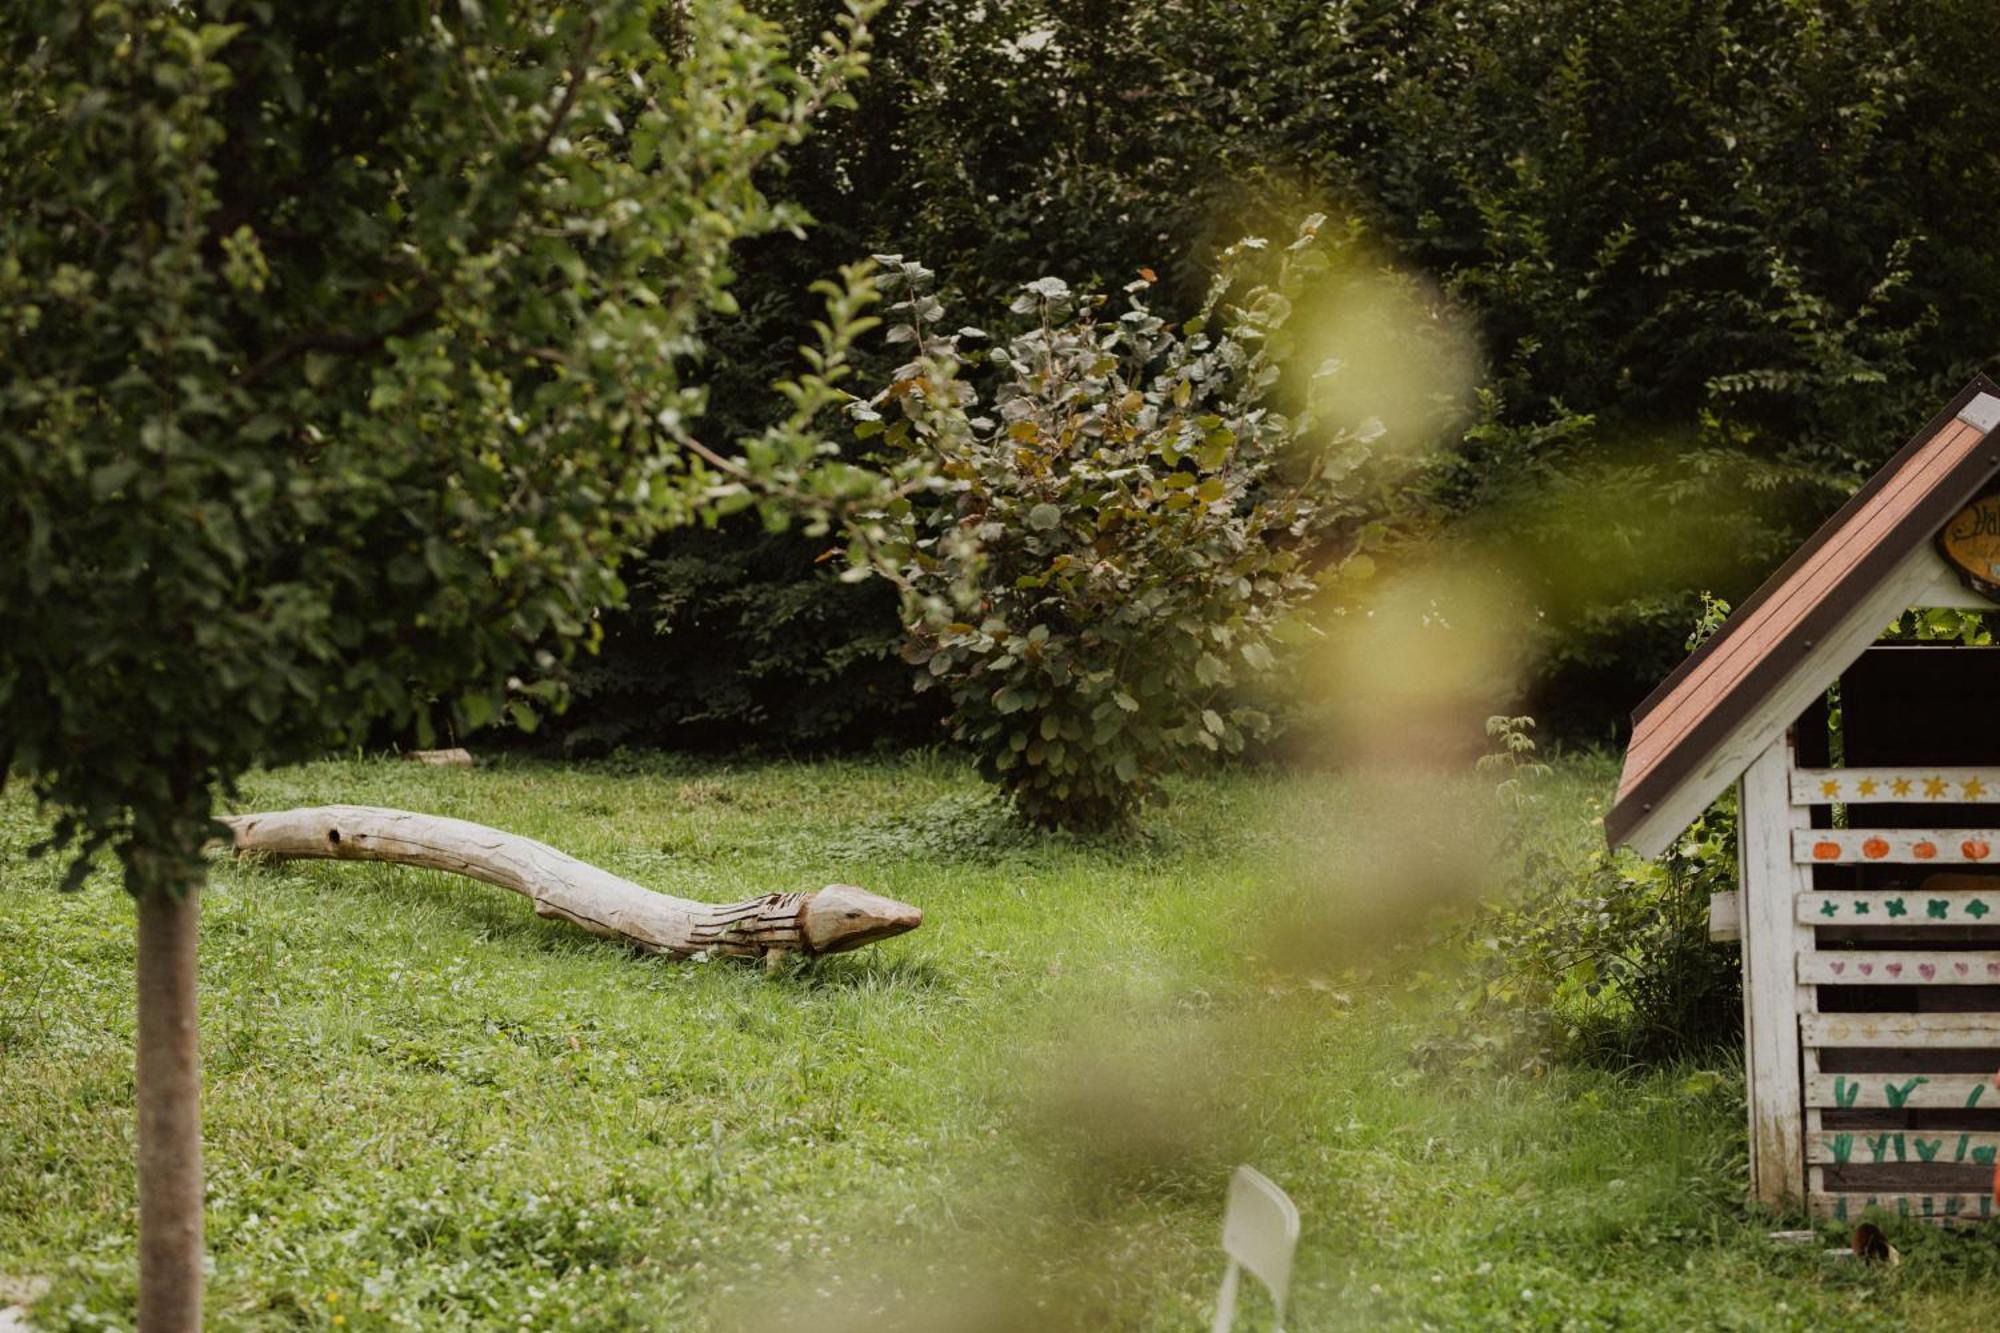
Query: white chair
(1259,1232)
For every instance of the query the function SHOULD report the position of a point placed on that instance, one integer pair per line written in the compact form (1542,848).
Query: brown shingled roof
(1718,691)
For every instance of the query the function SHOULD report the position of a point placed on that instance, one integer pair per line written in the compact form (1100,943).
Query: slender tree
(343,351)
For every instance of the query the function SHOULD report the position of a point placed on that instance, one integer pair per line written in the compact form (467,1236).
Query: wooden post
(1771,994)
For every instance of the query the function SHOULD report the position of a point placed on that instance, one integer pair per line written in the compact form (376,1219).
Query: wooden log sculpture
(829,920)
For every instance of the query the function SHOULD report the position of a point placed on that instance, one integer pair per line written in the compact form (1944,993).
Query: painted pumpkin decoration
(1826,851)
(1974,850)
(1875,848)
(1924,851)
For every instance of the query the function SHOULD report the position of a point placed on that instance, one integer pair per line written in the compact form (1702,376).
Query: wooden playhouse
(1869,877)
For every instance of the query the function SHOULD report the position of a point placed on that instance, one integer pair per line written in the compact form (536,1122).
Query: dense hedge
(1723,256)
(738,643)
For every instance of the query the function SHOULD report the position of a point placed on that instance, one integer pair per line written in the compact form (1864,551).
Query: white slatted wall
(1881,947)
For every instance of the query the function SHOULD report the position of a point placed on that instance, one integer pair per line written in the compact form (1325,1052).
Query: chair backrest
(1259,1231)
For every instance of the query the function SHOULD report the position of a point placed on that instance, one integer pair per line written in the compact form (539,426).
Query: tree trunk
(169,1099)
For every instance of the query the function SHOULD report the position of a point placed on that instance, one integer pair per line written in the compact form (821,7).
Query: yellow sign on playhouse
(1970,544)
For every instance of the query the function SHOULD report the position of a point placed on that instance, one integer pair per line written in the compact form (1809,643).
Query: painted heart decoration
(1894,969)
(1961,968)
(1867,969)
(1838,968)
(1928,970)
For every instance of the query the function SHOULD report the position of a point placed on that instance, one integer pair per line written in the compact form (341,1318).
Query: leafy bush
(1723,257)
(1597,955)
(1719,254)
(1126,532)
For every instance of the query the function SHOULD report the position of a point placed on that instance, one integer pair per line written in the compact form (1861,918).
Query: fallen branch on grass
(829,920)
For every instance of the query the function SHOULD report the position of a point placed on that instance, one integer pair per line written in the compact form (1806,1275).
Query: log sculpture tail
(829,920)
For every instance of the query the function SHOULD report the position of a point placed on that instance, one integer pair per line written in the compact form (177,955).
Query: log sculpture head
(841,917)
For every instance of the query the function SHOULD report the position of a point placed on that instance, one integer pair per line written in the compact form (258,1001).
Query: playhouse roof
(1734,695)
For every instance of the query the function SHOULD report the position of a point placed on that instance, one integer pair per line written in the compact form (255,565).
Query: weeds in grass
(1587,953)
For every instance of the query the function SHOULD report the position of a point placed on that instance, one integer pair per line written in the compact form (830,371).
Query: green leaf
(110,478)
(476,709)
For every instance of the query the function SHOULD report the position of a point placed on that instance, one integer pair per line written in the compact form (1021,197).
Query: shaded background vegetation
(1722,259)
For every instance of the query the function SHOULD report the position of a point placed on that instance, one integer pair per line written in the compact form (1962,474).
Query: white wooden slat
(1806,999)
(1907,786)
(1894,846)
(1814,1119)
(1901,908)
(1943,587)
(1773,999)
(1725,916)
(1899,967)
(1925,1207)
(1746,961)
(1898,1147)
(1902,1092)
(1958,1031)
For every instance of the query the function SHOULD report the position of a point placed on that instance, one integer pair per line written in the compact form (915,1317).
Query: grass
(428,1109)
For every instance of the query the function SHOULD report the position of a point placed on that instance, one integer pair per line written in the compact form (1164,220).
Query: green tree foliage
(1723,257)
(344,360)
(1722,266)
(344,352)
(1126,527)
(746,639)
(964,147)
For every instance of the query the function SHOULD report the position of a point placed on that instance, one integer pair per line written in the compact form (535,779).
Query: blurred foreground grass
(427,1109)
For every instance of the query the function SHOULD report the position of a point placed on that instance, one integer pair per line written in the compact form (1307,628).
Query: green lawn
(427,1109)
